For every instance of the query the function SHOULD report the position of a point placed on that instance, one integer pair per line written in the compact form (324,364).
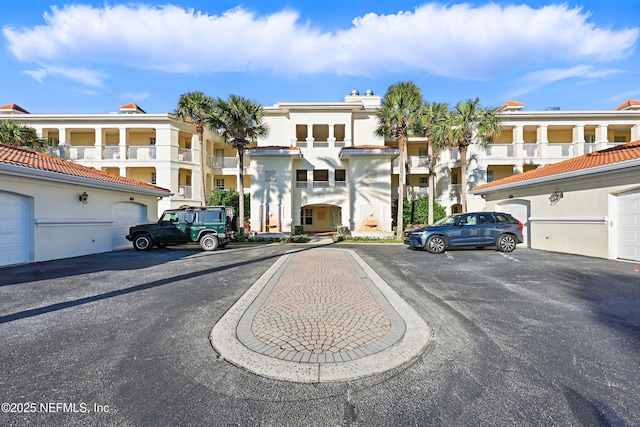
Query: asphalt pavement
(124,339)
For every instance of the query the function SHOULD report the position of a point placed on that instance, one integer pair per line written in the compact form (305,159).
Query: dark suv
(477,229)
(210,226)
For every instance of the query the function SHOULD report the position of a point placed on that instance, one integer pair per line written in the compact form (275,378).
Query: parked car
(210,226)
(476,229)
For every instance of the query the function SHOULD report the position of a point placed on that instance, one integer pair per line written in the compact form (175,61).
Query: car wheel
(436,244)
(209,242)
(506,243)
(143,242)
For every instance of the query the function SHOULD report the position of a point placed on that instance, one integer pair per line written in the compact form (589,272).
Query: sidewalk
(320,314)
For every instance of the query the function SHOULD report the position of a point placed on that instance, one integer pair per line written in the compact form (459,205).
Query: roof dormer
(132,109)
(13,109)
(511,106)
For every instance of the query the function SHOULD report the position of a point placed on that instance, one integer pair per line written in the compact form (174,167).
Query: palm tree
(20,135)
(433,126)
(192,108)
(397,115)
(238,121)
(469,123)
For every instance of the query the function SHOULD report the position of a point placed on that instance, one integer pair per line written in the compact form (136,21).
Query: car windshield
(447,220)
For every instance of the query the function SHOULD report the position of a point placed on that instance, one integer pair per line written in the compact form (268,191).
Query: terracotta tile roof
(511,105)
(31,159)
(369,147)
(12,108)
(273,147)
(608,156)
(131,107)
(630,104)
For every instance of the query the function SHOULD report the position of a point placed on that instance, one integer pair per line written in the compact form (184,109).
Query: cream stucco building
(321,165)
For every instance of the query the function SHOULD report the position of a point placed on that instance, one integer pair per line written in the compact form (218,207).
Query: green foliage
(300,238)
(417,212)
(20,135)
(298,230)
(228,197)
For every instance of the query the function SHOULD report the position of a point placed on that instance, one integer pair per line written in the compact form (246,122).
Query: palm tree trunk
(431,184)
(241,190)
(463,177)
(401,188)
(203,179)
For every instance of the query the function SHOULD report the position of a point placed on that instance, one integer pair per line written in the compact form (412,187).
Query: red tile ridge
(273,147)
(13,108)
(369,147)
(512,104)
(629,104)
(132,106)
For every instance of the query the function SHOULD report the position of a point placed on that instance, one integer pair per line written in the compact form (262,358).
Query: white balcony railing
(141,153)
(185,192)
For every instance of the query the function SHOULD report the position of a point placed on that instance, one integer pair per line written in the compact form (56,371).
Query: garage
(519,209)
(628,229)
(125,214)
(14,228)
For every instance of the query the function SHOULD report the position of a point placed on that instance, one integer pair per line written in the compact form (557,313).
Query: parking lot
(521,338)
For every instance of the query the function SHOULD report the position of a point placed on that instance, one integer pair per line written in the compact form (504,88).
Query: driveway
(527,338)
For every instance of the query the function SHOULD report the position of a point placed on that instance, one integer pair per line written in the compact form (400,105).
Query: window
(153,178)
(489,176)
(270,176)
(590,138)
(341,177)
(306,216)
(619,139)
(321,178)
(187,180)
(301,178)
(219,184)
(152,140)
(423,181)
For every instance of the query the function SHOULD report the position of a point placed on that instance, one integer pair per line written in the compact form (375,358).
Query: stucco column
(332,137)
(578,140)
(309,134)
(602,139)
(635,132)
(122,144)
(62,142)
(518,142)
(541,140)
(98,144)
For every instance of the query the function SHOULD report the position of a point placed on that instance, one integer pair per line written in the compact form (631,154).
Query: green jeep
(210,226)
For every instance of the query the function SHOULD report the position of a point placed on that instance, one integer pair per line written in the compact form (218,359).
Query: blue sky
(85,56)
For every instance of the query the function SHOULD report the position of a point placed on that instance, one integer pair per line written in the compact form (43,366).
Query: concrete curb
(224,337)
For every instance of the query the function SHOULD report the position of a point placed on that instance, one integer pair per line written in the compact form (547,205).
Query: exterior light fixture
(83,197)
(555,196)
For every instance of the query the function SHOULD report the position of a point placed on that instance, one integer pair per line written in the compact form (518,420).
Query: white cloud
(457,40)
(538,79)
(135,96)
(81,75)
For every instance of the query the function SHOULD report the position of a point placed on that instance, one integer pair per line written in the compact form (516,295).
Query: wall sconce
(83,197)
(555,196)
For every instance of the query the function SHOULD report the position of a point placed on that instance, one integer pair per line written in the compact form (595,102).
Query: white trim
(64,222)
(571,220)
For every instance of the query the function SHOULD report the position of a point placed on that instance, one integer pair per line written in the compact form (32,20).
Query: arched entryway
(319,218)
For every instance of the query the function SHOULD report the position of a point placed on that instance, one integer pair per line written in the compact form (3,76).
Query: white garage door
(628,230)
(14,229)
(520,210)
(125,215)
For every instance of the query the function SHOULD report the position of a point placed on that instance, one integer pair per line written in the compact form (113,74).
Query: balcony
(185,192)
